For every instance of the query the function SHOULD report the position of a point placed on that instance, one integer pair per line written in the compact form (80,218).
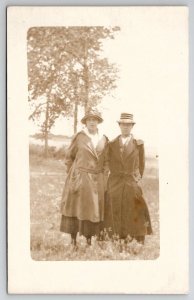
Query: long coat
(83,195)
(128,210)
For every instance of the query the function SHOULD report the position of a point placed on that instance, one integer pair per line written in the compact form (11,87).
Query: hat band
(122,120)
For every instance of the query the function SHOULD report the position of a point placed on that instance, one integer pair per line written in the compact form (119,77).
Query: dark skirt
(86,228)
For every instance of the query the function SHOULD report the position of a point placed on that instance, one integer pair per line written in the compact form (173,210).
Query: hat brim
(126,122)
(83,120)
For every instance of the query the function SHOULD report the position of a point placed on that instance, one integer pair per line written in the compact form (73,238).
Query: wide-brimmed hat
(126,118)
(92,113)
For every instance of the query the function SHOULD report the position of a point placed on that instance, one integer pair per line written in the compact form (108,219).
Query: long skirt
(86,228)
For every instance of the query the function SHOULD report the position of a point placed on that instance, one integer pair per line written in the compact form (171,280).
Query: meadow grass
(47,179)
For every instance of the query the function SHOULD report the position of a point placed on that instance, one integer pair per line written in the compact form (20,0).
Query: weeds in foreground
(48,243)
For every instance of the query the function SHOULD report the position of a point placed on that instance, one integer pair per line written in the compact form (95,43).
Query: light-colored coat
(84,190)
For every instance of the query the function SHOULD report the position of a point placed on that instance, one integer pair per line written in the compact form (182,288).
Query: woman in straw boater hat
(83,196)
(129,212)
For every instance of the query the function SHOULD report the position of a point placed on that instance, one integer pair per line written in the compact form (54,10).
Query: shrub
(60,153)
(53,152)
(37,150)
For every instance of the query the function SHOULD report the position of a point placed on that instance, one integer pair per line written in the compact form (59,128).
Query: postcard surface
(97,150)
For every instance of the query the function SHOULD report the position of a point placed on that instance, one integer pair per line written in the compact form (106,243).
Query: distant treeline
(40,136)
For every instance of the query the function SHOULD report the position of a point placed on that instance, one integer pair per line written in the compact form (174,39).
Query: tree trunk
(46,130)
(76,102)
(75,117)
(86,77)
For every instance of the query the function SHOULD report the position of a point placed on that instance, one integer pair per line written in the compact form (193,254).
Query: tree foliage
(66,69)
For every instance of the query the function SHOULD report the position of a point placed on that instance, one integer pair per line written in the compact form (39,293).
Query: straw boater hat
(92,113)
(126,118)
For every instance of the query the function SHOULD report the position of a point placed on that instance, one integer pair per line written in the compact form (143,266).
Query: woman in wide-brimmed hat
(83,196)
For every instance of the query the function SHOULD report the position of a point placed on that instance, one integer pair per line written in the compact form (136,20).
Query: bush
(60,153)
(53,152)
(37,150)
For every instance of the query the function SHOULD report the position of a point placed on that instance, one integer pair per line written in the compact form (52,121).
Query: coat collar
(116,143)
(96,151)
(128,149)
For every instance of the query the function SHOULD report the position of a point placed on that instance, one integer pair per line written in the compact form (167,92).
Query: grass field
(48,243)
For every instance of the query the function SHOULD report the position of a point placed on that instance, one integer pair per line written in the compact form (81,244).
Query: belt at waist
(92,171)
(122,173)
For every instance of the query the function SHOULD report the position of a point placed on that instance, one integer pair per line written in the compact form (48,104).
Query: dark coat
(83,195)
(128,209)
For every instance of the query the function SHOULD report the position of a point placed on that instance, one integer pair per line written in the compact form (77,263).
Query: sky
(138,88)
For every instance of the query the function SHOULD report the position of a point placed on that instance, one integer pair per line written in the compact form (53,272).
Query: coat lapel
(90,146)
(101,145)
(116,148)
(129,149)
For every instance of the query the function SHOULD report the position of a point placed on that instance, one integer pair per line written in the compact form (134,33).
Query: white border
(167,274)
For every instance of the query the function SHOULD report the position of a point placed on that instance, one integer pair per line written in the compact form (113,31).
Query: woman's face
(126,128)
(91,124)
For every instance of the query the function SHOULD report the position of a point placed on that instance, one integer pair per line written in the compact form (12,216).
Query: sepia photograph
(93,188)
(98,150)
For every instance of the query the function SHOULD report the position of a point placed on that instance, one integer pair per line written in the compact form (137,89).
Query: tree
(66,70)
(49,94)
(97,75)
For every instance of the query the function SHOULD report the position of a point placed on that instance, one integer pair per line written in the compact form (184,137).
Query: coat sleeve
(71,153)
(106,164)
(106,157)
(140,144)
